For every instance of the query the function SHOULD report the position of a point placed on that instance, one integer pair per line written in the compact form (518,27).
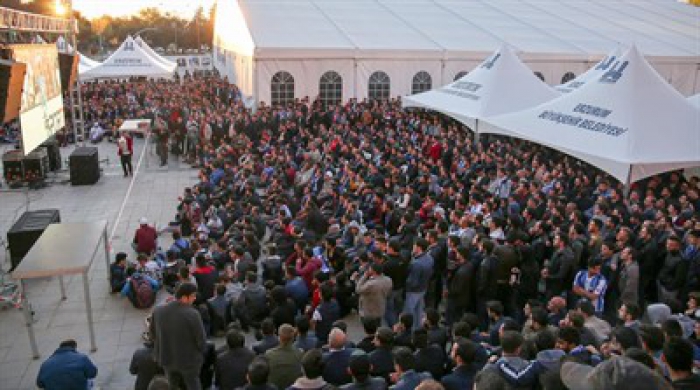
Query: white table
(63,249)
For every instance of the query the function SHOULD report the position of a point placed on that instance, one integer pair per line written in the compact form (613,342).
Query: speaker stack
(84,166)
(11,84)
(27,230)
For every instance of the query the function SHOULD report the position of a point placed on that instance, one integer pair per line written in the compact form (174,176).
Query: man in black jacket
(560,272)
(144,366)
(232,365)
(396,268)
(486,288)
(381,358)
(460,287)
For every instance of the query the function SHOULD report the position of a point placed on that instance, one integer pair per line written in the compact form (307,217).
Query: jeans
(185,380)
(394,303)
(415,304)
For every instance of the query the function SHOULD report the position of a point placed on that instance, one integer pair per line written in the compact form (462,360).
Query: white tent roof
(501,84)
(591,74)
(695,100)
(130,60)
(153,53)
(84,64)
(629,123)
(452,29)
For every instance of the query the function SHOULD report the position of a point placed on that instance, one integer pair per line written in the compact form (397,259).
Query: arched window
(282,88)
(460,75)
(568,76)
(379,86)
(421,82)
(540,75)
(331,88)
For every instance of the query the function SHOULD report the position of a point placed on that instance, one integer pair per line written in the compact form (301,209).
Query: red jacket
(145,239)
(129,145)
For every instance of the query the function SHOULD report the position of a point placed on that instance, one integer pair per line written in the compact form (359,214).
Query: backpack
(142,292)
(185,253)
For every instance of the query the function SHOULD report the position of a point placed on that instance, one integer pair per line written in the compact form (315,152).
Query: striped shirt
(595,284)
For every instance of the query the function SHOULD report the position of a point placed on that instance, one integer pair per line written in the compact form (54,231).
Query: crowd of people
(494,265)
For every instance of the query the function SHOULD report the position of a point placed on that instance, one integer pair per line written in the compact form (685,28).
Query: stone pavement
(118,325)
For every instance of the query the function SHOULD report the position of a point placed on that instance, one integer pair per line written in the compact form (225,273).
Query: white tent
(84,63)
(130,60)
(376,48)
(501,84)
(629,123)
(153,53)
(695,100)
(591,74)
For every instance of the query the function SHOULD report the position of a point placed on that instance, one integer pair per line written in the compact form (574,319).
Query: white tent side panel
(554,71)
(306,74)
(401,74)
(453,68)
(682,76)
(233,46)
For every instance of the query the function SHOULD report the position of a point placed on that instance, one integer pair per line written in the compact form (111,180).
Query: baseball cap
(143,221)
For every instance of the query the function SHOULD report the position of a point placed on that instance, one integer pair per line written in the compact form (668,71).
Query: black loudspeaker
(28,228)
(84,166)
(54,153)
(68,64)
(11,84)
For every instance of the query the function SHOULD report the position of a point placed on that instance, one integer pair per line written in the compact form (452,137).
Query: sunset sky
(96,8)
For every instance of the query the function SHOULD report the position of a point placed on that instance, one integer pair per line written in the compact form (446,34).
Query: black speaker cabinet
(12,166)
(54,153)
(84,166)
(36,165)
(28,228)
(11,84)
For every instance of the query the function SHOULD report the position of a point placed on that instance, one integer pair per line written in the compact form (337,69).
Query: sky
(96,8)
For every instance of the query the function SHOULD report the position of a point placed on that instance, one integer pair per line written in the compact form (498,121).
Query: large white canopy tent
(152,52)
(501,84)
(129,60)
(84,63)
(301,41)
(591,74)
(695,100)
(629,123)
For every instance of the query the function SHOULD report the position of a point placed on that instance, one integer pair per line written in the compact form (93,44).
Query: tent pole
(476,134)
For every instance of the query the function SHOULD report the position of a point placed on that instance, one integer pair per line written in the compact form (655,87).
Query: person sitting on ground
(429,357)
(232,364)
(678,356)
(117,272)
(370,326)
(462,377)
(382,359)
(337,359)
(405,377)
(269,339)
(360,368)
(258,373)
(66,369)
(218,306)
(312,367)
(145,238)
(144,366)
(140,289)
(148,267)
(306,338)
(284,359)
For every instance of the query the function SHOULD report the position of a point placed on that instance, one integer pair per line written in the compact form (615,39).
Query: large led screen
(41,114)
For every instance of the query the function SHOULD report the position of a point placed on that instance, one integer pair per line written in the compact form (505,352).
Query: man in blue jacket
(66,369)
(419,273)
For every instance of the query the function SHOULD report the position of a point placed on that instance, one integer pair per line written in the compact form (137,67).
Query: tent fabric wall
(401,74)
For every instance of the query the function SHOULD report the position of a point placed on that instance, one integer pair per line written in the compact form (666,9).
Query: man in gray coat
(628,286)
(373,289)
(180,340)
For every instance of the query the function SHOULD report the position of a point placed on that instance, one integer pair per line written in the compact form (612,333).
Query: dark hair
(545,339)
(70,343)
(586,307)
(403,357)
(327,292)
(466,350)
(462,329)
(279,295)
(570,335)
(511,341)
(234,339)
(488,246)
(301,322)
(385,336)
(639,355)
(312,363)
(652,336)
(340,324)
(120,256)
(678,353)
(251,277)
(672,328)
(627,337)
(185,289)
(495,306)
(258,371)
(422,243)
(360,366)
(370,324)
(406,319)
(633,310)
(419,338)
(267,327)
(433,316)
(220,289)
(540,316)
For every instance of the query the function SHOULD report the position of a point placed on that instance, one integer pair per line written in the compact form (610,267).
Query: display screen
(41,114)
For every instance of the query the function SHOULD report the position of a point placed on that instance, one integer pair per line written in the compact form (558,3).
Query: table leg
(63,287)
(29,320)
(88,308)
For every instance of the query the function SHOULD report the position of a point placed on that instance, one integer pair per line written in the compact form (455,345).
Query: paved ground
(118,325)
